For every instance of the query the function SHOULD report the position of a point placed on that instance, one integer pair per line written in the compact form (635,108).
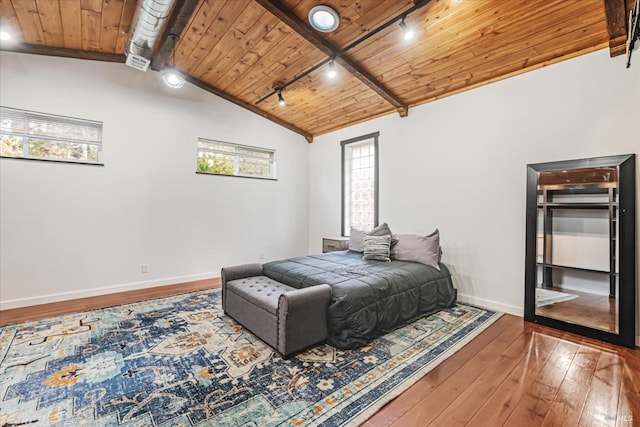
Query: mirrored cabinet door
(580,256)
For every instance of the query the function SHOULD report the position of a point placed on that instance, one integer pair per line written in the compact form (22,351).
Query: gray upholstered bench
(286,318)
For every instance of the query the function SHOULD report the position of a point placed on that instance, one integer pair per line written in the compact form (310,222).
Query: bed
(369,298)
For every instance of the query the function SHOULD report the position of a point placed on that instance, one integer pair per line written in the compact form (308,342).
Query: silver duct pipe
(149,20)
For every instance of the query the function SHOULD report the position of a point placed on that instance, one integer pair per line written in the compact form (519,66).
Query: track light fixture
(407,33)
(281,100)
(332,70)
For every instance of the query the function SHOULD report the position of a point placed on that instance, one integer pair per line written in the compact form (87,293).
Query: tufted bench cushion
(286,318)
(259,290)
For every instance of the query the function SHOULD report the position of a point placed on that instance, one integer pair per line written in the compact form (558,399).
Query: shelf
(578,205)
(566,267)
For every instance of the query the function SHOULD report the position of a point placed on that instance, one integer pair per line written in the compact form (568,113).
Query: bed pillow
(383,230)
(422,249)
(377,248)
(356,240)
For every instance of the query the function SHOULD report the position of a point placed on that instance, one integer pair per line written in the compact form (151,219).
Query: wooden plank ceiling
(241,49)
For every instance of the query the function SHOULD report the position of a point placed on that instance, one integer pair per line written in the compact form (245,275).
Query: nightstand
(330,244)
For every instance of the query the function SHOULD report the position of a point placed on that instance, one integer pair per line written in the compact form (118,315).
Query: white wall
(459,164)
(68,231)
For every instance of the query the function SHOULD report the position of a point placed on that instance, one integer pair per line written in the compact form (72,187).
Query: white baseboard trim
(491,304)
(65,296)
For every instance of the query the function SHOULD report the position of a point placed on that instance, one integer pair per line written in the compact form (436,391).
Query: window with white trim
(360,183)
(225,158)
(30,135)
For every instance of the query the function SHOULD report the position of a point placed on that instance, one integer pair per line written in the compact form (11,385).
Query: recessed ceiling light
(4,36)
(323,18)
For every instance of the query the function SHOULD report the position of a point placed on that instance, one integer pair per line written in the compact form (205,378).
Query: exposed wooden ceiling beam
(64,52)
(206,86)
(285,15)
(175,25)
(616,13)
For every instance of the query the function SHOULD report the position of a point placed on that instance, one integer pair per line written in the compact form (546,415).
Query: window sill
(68,162)
(237,176)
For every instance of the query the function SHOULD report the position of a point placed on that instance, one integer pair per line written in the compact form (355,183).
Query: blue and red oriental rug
(179,361)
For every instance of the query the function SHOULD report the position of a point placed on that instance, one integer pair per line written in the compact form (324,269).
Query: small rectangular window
(360,183)
(31,135)
(225,158)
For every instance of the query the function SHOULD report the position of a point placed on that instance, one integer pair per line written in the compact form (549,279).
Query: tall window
(360,183)
(225,158)
(31,135)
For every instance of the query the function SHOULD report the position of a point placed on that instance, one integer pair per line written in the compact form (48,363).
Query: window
(30,135)
(360,183)
(225,158)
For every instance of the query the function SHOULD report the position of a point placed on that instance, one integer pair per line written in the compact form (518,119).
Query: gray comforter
(369,298)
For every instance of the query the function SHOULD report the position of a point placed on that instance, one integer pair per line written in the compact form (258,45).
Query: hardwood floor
(82,304)
(513,374)
(594,311)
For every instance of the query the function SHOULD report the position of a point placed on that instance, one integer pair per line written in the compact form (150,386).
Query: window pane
(27,134)
(224,158)
(10,146)
(359,177)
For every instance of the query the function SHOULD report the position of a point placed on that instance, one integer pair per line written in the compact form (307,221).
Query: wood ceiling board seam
(258,51)
(455,46)
(616,15)
(124,28)
(90,30)
(275,46)
(51,22)
(220,25)
(470,77)
(293,60)
(376,57)
(180,16)
(9,18)
(198,26)
(230,42)
(328,48)
(250,107)
(516,72)
(27,16)
(110,23)
(71,16)
(350,30)
(468,61)
(227,68)
(91,5)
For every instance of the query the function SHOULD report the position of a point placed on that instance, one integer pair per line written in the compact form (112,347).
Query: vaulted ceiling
(242,49)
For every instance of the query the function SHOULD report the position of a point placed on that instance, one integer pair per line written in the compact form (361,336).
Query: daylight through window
(360,183)
(225,158)
(31,135)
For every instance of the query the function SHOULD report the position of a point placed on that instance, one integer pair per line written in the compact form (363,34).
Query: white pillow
(356,240)
(422,249)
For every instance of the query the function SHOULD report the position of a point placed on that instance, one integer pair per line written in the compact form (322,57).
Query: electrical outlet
(261,255)
(145,268)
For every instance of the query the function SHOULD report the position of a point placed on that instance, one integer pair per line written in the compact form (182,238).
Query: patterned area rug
(179,361)
(548,297)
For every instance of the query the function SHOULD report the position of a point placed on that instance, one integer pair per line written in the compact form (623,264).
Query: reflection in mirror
(580,271)
(576,274)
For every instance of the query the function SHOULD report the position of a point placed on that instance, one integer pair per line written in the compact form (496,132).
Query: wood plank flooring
(594,311)
(513,374)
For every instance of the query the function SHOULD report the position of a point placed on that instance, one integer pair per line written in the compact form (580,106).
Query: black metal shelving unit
(547,205)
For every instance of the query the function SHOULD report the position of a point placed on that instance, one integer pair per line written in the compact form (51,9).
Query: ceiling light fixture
(172,77)
(281,100)
(323,18)
(277,89)
(5,36)
(332,70)
(407,32)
